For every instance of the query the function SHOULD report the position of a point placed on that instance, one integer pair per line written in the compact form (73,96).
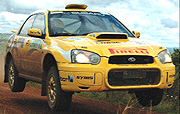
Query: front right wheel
(149,97)
(58,100)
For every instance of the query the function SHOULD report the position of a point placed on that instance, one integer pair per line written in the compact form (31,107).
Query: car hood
(110,46)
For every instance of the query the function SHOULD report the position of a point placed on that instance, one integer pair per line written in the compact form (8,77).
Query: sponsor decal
(70,78)
(81,13)
(31,51)
(11,40)
(99,88)
(75,39)
(107,42)
(86,13)
(36,43)
(38,32)
(15,49)
(65,54)
(63,79)
(21,42)
(84,47)
(122,51)
(85,77)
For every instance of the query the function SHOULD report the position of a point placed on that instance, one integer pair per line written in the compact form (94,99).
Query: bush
(172,94)
(175,56)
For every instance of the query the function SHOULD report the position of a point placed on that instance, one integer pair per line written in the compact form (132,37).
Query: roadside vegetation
(126,101)
(3,42)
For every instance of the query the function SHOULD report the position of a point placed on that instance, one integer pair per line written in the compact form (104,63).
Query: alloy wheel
(11,75)
(52,89)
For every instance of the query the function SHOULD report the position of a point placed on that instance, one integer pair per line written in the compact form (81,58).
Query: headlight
(81,56)
(164,57)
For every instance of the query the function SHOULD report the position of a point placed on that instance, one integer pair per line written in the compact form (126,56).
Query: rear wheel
(150,97)
(16,83)
(56,97)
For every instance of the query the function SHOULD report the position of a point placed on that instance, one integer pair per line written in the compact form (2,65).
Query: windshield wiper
(65,34)
(90,32)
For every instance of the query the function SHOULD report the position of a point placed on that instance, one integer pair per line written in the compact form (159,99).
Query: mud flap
(43,88)
(5,74)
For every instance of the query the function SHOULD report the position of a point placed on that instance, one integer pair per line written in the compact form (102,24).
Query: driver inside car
(57,26)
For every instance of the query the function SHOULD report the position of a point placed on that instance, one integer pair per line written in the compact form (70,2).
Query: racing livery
(75,50)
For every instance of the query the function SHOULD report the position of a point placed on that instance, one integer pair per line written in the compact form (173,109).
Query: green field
(169,104)
(3,42)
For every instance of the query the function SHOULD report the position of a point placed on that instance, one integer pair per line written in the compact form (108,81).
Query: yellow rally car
(75,50)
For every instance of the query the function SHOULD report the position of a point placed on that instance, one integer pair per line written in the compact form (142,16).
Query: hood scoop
(108,36)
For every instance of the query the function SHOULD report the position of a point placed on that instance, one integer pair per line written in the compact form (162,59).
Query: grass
(33,84)
(127,102)
(108,96)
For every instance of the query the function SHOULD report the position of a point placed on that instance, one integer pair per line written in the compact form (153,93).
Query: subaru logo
(131,59)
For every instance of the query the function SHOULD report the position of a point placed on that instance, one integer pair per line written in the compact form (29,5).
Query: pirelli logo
(135,51)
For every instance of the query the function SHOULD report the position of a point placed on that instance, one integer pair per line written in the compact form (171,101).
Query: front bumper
(86,77)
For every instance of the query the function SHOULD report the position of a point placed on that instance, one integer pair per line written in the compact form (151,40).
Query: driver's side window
(39,23)
(27,25)
(34,21)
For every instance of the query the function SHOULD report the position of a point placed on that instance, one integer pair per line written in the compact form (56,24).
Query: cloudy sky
(156,20)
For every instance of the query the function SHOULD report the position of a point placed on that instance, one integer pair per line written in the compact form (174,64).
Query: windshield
(83,23)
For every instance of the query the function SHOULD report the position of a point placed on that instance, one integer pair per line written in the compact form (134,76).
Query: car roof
(70,7)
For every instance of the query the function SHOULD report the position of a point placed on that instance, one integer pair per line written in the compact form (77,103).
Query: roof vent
(76,6)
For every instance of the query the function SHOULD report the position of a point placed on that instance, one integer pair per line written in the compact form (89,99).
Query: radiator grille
(135,59)
(133,77)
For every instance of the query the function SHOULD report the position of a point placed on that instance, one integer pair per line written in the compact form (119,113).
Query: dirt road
(1,67)
(31,102)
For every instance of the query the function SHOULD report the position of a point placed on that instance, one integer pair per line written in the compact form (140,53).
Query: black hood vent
(112,36)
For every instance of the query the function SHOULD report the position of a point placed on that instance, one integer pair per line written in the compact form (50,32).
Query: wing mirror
(14,31)
(35,32)
(136,33)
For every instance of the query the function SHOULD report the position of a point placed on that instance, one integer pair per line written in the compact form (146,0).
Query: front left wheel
(58,100)
(16,83)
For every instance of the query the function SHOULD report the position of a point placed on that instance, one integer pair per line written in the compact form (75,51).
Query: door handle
(28,43)
(15,41)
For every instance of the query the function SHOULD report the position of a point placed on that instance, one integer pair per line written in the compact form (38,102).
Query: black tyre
(58,100)
(16,83)
(150,97)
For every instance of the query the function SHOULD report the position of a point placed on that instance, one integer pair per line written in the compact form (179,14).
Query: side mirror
(14,31)
(136,33)
(35,32)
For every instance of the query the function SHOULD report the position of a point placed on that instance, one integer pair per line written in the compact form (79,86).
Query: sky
(156,20)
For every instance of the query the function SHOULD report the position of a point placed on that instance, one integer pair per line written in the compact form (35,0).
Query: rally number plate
(134,74)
